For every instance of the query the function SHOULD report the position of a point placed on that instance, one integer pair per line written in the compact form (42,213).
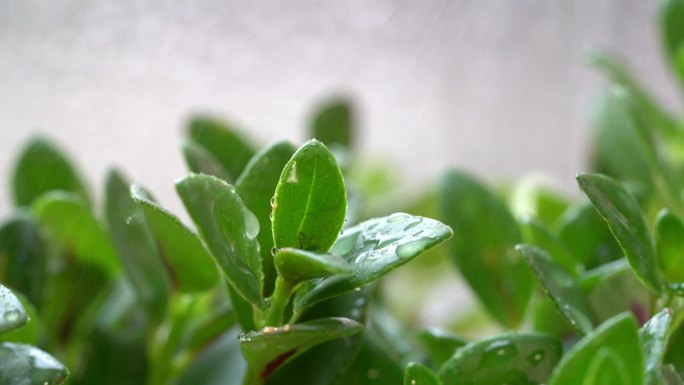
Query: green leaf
(561,288)
(626,220)
(670,245)
(587,236)
(192,268)
(619,335)
(483,248)
(300,265)
(656,116)
(256,186)
(267,349)
(23,256)
(654,343)
(223,142)
(375,363)
(13,313)
(201,161)
(619,149)
(419,374)
(120,357)
(26,365)
(511,358)
(310,200)
(374,248)
(440,345)
(326,363)
(606,368)
(614,289)
(136,247)
(672,24)
(76,230)
(31,331)
(536,233)
(221,363)
(670,376)
(243,309)
(333,124)
(41,167)
(229,230)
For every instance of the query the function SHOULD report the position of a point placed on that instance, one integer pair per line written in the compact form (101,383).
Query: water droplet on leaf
(251,224)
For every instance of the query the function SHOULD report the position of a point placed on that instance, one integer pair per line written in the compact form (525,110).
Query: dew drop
(273,251)
(251,224)
(536,357)
(292,175)
(273,201)
(412,224)
(11,315)
(397,217)
(497,353)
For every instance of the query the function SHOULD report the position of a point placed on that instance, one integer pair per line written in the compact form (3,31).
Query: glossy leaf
(654,343)
(256,186)
(300,265)
(267,349)
(536,233)
(512,358)
(201,161)
(373,248)
(326,363)
(223,142)
(439,345)
(483,248)
(192,268)
(625,219)
(419,374)
(41,167)
(619,335)
(136,247)
(75,229)
(23,256)
(670,246)
(606,368)
(561,288)
(229,230)
(587,236)
(13,313)
(310,200)
(31,331)
(333,124)
(27,365)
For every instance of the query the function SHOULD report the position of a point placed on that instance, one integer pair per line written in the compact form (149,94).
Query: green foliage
(280,279)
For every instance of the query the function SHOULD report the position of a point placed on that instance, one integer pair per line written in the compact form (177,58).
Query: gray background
(499,87)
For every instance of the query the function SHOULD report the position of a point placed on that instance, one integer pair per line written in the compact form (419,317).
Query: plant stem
(279,299)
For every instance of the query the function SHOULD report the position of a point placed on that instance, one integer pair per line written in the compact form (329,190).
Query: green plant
(277,285)
(277,267)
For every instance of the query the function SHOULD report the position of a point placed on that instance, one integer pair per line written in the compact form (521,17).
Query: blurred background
(497,87)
